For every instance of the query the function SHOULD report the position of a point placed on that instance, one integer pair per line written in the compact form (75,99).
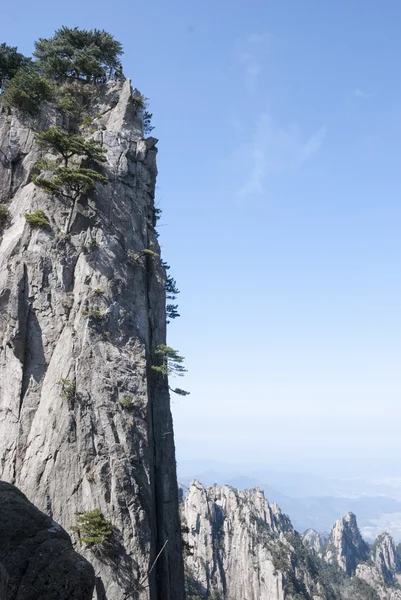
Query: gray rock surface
(239,546)
(383,573)
(314,540)
(37,554)
(385,556)
(70,455)
(378,566)
(345,546)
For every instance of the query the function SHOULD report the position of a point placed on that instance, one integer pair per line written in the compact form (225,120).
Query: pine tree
(10,62)
(92,528)
(89,55)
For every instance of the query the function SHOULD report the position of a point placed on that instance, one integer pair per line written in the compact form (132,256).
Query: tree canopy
(90,55)
(70,144)
(27,90)
(10,61)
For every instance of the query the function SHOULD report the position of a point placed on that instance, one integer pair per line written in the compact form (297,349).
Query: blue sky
(280,183)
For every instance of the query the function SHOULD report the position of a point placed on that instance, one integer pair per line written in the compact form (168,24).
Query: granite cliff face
(345,546)
(314,540)
(378,566)
(240,546)
(75,307)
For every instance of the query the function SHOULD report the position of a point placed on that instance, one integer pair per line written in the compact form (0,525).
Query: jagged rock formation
(37,555)
(385,555)
(345,546)
(383,572)
(314,540)
(239,546)
(75,307)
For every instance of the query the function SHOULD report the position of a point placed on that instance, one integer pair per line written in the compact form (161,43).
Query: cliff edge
(85,423)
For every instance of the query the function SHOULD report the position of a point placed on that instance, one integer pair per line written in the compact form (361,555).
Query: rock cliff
(36,554)
(85,422)
(345,546)
(239,546)
(383,572)
(314,540)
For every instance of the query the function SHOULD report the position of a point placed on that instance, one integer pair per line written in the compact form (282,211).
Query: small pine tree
(92,528)
(4,215)
(172,362)
(171,312)
(69,145)
(37,219)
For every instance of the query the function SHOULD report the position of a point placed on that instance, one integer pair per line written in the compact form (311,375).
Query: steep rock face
(239,546)
(384,573)
(385,556)
(37,555)
(345,546)
(314,540)
(74,452)
(378,567)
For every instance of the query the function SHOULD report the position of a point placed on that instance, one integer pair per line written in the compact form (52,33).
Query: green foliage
(156,215)
(37,219)
(10,62)
(361,590)
(171,362)
(92,528)
(141,105)
(171,312)
(4,216)
(139,102)
(88,55)
(179,391)
(70,183)
(67,389)
(134,257)
(98,291)
(67,103)
(147,122)
(218,537)
(69,145)
(126,401)
(171,288)
(27,90)
(87,121)
(171,294)
(193,588)
(94,314)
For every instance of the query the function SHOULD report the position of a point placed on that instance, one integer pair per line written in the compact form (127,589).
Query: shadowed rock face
(3,583)
(37,554)
(71,453)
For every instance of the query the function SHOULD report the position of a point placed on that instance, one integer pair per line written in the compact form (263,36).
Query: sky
(279,126)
